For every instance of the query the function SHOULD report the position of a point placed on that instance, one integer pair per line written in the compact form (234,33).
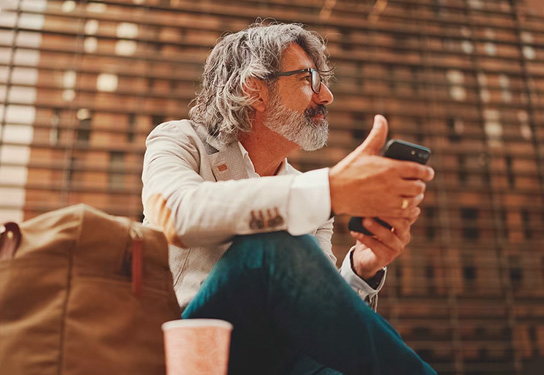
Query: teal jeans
(294,314)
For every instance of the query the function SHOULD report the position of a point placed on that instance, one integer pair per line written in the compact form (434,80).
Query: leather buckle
(10,238)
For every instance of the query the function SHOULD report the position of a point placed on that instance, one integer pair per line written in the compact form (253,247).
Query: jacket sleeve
(181,196)
(324,237)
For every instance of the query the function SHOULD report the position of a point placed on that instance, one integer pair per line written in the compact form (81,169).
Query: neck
(266,149)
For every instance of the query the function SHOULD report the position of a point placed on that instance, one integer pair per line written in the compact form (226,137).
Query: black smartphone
(400,150)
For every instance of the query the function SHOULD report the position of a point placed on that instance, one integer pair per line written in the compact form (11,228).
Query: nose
(325,95)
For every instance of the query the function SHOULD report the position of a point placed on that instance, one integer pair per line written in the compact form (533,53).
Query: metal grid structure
(83,83)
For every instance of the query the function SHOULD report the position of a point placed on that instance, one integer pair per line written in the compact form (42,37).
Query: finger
(411,188)
(388,237)
(356,235)
(411,202)
(400,213)
(397,223)
(384,254)
(413,170)
(376,138)
(401,228)
(404,206)
(411,219)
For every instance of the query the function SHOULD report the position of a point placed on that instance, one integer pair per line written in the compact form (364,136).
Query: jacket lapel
(226,161)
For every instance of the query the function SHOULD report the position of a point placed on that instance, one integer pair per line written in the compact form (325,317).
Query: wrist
(367,274)
(364,273)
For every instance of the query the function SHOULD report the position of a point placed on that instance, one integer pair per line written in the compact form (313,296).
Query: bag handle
(10,238)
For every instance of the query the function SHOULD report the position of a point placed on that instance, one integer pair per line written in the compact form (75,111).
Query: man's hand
(364,184)
(372,253)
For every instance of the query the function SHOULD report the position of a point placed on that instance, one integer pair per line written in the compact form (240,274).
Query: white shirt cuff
(309,202)
(360,286)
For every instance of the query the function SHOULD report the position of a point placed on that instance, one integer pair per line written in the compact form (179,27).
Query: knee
(275,242)
(275,248)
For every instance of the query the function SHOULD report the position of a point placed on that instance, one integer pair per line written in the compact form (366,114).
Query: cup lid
(196,323)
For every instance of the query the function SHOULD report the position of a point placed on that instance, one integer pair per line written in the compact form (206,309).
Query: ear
(257,90)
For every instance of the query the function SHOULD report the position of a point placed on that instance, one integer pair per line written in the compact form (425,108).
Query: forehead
(294,58)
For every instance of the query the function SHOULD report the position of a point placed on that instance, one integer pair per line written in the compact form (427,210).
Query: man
(248,232)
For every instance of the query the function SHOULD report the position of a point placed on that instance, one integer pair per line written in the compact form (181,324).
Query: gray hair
(224,101)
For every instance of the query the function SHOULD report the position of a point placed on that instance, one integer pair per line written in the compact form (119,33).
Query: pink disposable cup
(197,346)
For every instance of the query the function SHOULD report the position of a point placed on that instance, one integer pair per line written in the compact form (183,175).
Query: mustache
(319,110)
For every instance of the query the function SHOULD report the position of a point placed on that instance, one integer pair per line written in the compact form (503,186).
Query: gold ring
(404,204)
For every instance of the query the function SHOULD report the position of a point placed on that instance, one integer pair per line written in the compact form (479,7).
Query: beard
(300,128)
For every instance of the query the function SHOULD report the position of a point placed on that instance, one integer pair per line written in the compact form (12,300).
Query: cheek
(298,98)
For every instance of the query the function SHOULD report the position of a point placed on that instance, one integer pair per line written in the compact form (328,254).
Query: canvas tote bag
(83,293)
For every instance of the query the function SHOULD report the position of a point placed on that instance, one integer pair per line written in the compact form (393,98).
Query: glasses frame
(314,77)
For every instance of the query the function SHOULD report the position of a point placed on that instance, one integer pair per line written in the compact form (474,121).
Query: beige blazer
(199,193)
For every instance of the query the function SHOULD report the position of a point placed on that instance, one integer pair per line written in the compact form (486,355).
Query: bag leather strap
(137,257)
(137,246)
(10,238)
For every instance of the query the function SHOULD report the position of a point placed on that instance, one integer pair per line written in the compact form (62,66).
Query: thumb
(376,138)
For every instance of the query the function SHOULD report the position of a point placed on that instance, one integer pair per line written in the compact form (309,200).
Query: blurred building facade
(84,82)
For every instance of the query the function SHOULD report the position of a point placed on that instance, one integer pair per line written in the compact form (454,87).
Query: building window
(525,128)
(456,80)
(476,4)
(359,130)
(391,78)
(96,7)
(156,120)
(510,171)
(483,353)
(359,79)
(54,134)
(467,47)
(70,171)
(542,266)
(116,178)
(125,47)
(526,37)
(422,332)
(398,275)
(455,128)
(526,220)
(480,331)
(469,273)
(469,219)
(490,49)
(91,27)
(107,82)
(493,127)
(415,80)
(69,81)
(504,83)
(529,52)
(90,44)
(68,6)
(429,279)
(131,127)
(84,117)
(127,30)
(515,271)
(346,43)
(461,171)
(430,223)
(504,218)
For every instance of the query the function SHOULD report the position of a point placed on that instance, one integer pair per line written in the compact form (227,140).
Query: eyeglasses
(315,78)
